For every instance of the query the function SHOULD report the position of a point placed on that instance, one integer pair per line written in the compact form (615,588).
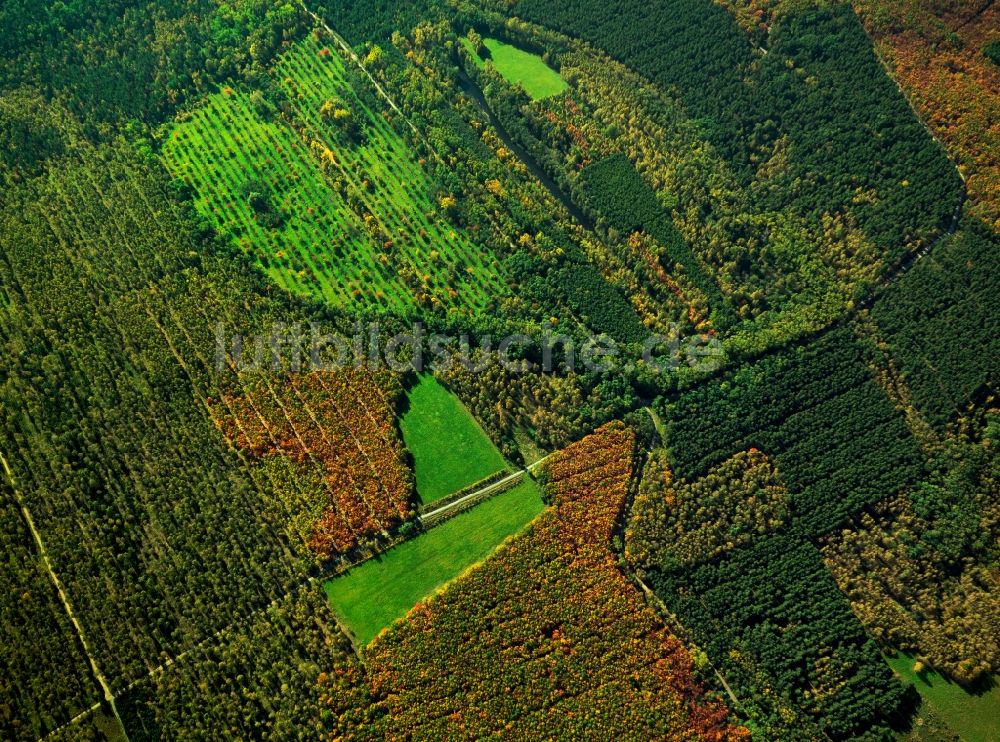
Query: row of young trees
(341,423)
(345,214)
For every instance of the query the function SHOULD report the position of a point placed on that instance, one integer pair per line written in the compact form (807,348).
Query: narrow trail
(974,17)
(677,628)
(912,259)
(170,661)
(346,48)
(485,490)
(109,697)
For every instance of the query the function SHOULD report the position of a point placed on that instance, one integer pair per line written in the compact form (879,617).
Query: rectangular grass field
(370,597)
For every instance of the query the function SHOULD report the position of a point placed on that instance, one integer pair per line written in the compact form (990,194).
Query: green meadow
(518,66)
(973,717)
(327,195)
(370,597)
(450,451)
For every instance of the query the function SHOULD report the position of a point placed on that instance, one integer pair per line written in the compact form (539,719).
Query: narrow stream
(472,90)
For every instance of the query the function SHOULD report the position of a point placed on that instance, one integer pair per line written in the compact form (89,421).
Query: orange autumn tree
(329,445)
(547,639)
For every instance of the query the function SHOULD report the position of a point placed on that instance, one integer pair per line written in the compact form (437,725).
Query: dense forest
(940,322)
(132,62)
(264,679)
(618,193)
(817,97)
(727,551)
(804,183)
(818,412)
(944,57)
(47,680)
(770,614)
(132,451)
(919,570)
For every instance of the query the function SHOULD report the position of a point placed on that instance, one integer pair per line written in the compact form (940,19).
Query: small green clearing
(974,718)
(518,66)
(373,595)
(450,451)
(531,452)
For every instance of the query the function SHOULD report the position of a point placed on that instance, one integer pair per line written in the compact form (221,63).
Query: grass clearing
(328,196)
(450,451)
(531,452)
(370,597)
(519,66)
(974,718)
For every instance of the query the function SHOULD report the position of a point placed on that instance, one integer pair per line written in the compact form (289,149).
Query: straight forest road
(109,697)
(346,48)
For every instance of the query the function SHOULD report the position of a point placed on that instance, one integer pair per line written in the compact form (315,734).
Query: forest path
(109,697)
(346,48)
(520,473)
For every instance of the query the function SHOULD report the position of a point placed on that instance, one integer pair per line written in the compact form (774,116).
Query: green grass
(974,718)
(450,450)
(360,226)
(518,66)
(370,597)
(530,451)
